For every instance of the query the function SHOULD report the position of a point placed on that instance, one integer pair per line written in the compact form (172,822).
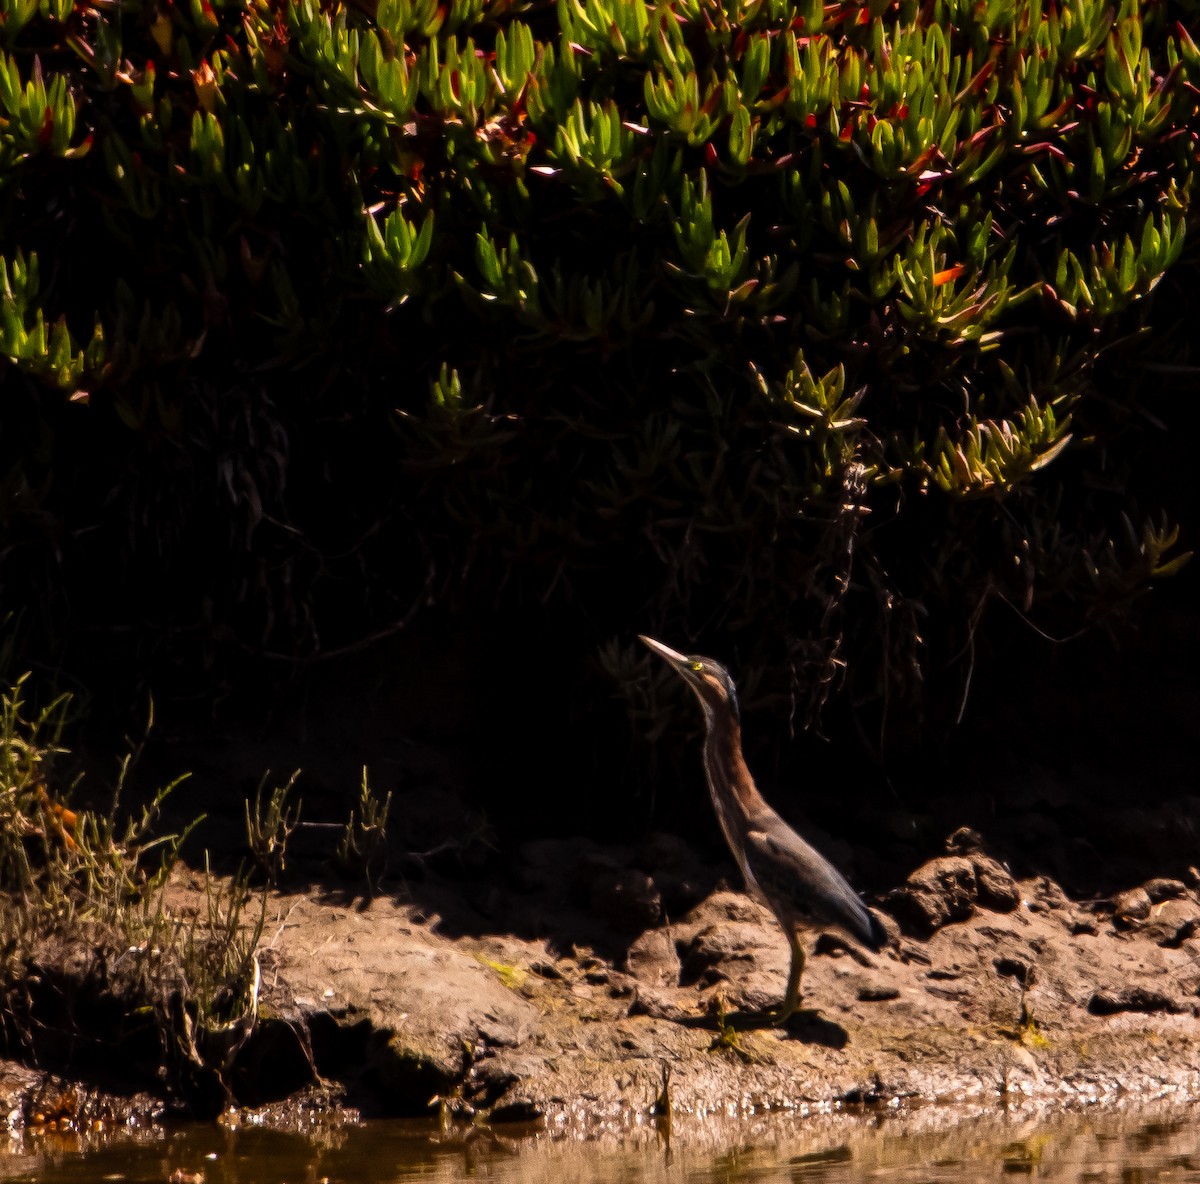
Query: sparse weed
(82,881)
(269,825)
(362,849)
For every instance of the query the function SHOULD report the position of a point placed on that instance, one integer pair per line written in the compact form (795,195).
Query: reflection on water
(927,1146)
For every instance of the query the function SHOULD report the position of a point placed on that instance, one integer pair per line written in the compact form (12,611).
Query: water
(930,1146)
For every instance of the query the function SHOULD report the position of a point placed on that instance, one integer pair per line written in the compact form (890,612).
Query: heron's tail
(873,936)
(860,923)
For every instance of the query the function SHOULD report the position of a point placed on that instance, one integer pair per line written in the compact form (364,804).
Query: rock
(727,906)
(1132,907)
(1161,888)
(681,893)
(495,1074)
(545,865)
(964,841)
(1111,1002)
(666,853)
(517,1110)
(832,944)
(678,872)
(997,890)
(653,959)
(717,947)
(877,994)
(1050,894)
(890,926)
(626,899)
(714,946)
(662,1005)
(1181,933)
(943,890)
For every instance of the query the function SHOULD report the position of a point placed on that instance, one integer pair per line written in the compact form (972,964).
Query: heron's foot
(779,1016)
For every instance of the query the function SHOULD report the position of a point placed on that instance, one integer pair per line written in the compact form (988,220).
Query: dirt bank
(583,978)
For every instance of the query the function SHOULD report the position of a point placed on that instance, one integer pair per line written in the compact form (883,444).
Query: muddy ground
(1051,953)
(588,978)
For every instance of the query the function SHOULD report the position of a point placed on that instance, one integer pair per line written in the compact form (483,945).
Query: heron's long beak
(678,660)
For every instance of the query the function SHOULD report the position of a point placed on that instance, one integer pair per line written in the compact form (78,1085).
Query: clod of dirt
(1134,999)
(1161,888)
(1132,907)
(948,889)
(679,874)
(496,1073)
(628,900)
(943,890)
(653,960)
(964,841)
(1184,932)
(716,947)
(998,891)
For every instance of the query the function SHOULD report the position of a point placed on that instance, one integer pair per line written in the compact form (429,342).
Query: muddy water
(1129,1146)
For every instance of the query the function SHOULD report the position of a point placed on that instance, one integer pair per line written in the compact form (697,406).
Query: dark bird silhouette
(797,883)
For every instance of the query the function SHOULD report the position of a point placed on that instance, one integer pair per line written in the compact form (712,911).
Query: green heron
(798,884)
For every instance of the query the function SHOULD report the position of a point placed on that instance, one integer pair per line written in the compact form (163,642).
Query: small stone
(1161,888)
(716,944)
(653,959)
(1131,907)
(1133,999)
(877,994)
(1182,933)
(998,891)
(964,841)
(667,852)
(626,899)
(943,890)
(1049,892)
(890,926)
(518,1110)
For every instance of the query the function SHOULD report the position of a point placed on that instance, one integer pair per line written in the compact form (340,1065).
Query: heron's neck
(729,779)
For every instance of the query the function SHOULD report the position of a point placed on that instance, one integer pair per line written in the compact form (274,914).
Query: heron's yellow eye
(697,665)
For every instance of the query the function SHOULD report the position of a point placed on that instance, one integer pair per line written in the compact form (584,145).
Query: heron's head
(707,678)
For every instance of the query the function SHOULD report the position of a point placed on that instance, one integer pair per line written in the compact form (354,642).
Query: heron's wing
(800,883)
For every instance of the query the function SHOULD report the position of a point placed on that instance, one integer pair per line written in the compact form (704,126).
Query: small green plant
(727,1038)
(1027,1031)
(362,849)
(269,825)
(220,974)
(513,977)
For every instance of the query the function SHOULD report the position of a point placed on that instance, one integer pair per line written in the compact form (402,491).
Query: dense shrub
(776,323)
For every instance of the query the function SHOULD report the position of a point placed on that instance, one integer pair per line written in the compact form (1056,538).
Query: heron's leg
(791,999)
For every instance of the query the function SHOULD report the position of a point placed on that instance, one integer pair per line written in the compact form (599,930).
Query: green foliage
(678,313)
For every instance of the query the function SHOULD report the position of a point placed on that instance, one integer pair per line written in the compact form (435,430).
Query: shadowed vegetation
(812,331)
